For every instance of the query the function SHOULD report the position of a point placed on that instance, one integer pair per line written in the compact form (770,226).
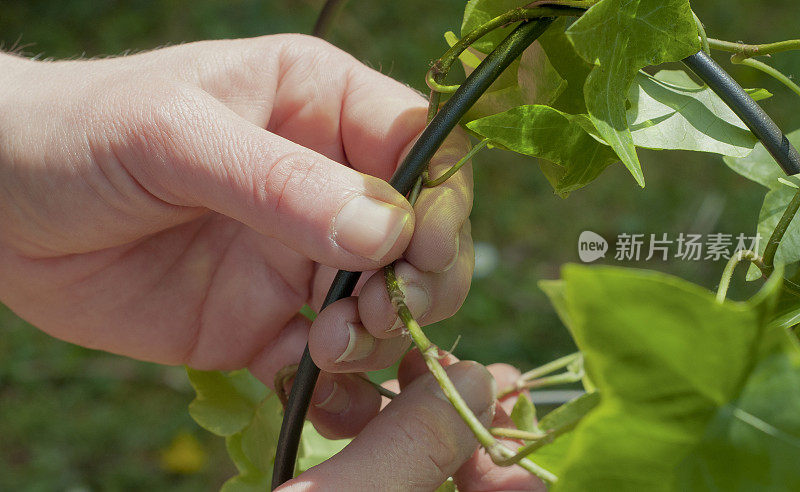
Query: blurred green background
(75,419)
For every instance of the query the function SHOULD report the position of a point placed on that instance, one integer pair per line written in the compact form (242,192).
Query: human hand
(181,205)
(418,440)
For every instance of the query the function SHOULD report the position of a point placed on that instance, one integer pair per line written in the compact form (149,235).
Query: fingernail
(474,383)
(455,257)
(334,399)
(368,227)
(359,344)
(418,301)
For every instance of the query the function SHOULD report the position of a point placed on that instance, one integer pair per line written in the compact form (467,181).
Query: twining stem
(517,434)
(526,450)
(539,372)
(454,169)
(741,59)
(554,380)
(430,353)
(780,230)
(750,50)
(727,273)
(283,377)
(381,390)
(441,67)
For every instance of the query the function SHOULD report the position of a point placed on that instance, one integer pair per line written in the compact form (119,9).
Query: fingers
(480,474)
(329,102)
(431,297)
(215,159)
(342,404)
(338,342)
(427,439)
(314,94)
(442,211)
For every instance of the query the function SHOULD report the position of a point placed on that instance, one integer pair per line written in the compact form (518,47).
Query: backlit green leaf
(664,356)
(569,65)
(759,166)
(225,403)
(620,37)
(753,443)
(775,203)
(544,132)
(314,449)
(670,111)
(531,79)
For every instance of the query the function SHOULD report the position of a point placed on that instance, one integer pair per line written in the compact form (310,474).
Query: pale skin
(181,205)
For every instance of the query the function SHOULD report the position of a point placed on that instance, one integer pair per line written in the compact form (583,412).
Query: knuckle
(286,177)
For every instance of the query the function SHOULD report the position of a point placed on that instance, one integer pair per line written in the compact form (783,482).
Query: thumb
(318,207)
(415,443)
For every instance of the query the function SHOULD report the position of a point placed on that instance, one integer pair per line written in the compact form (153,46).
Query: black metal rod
(747,109)
(403,180)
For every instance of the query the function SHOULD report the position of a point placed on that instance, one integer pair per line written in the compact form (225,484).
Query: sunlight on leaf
(541,131)
(665,356)
(669,111)
(620,37)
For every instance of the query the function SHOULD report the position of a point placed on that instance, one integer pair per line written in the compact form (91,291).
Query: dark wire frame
(753,116)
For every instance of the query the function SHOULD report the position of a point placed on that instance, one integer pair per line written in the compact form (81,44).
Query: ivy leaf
(253,448)
(314,449)
(759,166)
(670,111)
(529,79)
(569,65)
(775,203)
(753,443)
(225,403)
(665,356)
(524,413)
(620,37)
(544,132)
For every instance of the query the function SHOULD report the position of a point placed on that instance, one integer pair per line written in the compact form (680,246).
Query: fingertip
(376,310)
(342,405)
(375,228)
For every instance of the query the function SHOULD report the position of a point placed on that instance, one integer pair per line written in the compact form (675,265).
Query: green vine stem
(727,273)
(539,372)
(740,59)
(430,353)
(441,67)
(554,380)
(751,50)
(523,452)
(454,169)
(780,230)
(517,434)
